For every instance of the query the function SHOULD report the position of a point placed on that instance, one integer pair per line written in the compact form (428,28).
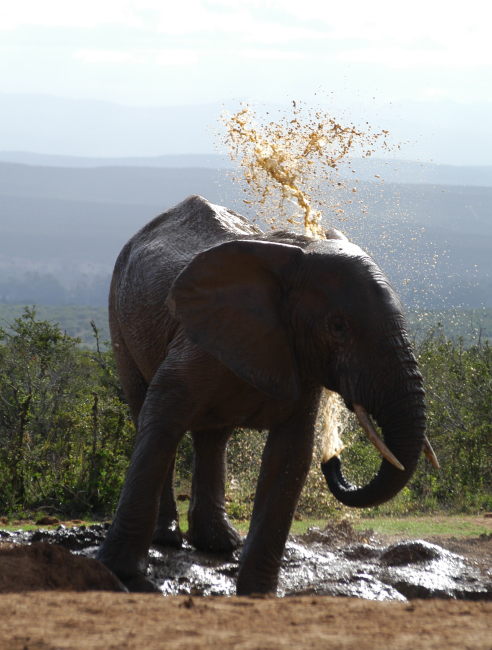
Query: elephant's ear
(229,300)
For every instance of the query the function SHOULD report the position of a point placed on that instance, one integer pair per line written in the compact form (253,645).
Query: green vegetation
(66,435)
(457,526)
(74,320)
(424,527)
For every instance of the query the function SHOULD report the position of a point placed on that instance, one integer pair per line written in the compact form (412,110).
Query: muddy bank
(334,562)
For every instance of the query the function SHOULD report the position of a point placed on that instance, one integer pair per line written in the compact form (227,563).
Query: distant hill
(367,169)
(85,127)
(179,161)
(61,229)
(36,122)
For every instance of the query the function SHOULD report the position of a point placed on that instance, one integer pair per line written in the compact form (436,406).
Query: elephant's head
(281,316)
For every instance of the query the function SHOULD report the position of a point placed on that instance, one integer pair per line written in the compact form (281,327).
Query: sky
(420,57)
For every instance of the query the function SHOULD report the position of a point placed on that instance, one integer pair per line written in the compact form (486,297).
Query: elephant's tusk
(429,452)
(366,424)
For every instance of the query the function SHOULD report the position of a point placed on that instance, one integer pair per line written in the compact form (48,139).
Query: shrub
(65,434)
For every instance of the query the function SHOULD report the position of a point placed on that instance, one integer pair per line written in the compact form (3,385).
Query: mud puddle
(336,561)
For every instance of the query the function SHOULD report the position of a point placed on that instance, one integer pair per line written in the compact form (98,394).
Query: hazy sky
(150,51)
(349,54)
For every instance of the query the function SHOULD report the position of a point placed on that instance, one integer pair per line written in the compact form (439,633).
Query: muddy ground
(40,610)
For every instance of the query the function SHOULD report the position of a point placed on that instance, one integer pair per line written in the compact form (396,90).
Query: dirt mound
(42,566)
(334,534)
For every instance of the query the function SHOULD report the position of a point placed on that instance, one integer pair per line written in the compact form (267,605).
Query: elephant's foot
(128,573)
(168,535)
(252,580)
(213,534)
(250,585)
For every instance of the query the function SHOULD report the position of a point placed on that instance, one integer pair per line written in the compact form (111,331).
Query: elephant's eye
(338,327)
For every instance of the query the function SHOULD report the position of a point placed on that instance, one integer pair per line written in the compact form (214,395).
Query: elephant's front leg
(167,531)
(209,527)
(285,464)
(162,422)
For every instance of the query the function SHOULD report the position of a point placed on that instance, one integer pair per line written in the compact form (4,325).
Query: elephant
(216,325)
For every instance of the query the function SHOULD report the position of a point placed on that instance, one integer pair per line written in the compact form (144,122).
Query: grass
(424,526)
(27,524)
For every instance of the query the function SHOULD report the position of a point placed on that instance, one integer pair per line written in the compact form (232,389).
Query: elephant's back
(154,256)
(192,226)
(174,237)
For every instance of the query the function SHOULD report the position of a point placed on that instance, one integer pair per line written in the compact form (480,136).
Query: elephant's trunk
(403,428)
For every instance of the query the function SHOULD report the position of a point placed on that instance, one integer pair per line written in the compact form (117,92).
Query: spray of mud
(285,163)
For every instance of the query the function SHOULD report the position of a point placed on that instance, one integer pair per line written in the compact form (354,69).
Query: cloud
(381,32)
(398,57)
(199,18)
(162,57)
(273,55)
(60,13)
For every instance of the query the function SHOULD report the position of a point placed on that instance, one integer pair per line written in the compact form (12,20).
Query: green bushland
(74,320)
(66,434)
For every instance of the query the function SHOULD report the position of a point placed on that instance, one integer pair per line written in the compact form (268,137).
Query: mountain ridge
(391,170)
(68,224)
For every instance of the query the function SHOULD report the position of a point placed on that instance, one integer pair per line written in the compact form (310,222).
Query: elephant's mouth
(366,424)
(365,420)
(369,429)
(399,412)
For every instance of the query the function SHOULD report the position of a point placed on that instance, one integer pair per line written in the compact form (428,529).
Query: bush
(65,434)
(458,383)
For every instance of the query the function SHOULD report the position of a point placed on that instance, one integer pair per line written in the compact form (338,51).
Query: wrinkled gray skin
(217,325)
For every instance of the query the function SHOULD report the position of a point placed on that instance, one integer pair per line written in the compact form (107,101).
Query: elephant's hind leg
(132,381)
(209,526)
(162,423)
(167,532)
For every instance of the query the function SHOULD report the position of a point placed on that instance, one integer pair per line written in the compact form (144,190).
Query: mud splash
(285,164)
(336,562)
